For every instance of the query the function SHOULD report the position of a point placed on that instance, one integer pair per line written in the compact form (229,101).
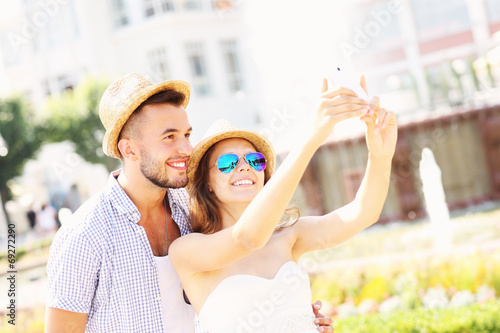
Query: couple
(109,270)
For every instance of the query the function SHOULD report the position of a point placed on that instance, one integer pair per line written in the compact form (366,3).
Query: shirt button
(135,215)
(158,298)
(153,264)
(138,231)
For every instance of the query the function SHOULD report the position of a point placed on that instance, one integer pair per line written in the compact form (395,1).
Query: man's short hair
(132,128)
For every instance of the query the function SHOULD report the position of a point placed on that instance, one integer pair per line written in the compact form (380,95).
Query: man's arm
(62,321)
(72,278)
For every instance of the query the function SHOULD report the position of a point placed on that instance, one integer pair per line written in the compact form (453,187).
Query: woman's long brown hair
(205,208)
(205,212)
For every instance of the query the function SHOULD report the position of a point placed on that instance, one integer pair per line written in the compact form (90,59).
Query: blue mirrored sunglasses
(227,162)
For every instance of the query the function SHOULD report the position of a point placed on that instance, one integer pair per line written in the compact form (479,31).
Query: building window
(55,32)
(12,53)
(154,7)
(149,8)
(120,17)
(157,61)
(439,18)
(441,83)
(386,28)
(232,64)
(193,5)
(59,28)
(493,9)
(46,88)
(167,6)
(198,68)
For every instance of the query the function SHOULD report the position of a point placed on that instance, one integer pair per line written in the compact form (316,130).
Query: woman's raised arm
(320,232)
(200,252)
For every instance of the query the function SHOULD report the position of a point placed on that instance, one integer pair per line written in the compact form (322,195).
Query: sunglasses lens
(256,161)
(226,163)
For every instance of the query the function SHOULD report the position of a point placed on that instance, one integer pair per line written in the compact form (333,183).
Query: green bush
(476,318)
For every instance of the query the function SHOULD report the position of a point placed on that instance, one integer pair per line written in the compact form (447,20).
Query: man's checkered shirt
(101,263)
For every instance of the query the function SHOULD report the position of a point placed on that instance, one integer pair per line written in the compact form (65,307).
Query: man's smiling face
(164,145)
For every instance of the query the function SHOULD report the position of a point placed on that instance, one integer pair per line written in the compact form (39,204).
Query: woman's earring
(209,188)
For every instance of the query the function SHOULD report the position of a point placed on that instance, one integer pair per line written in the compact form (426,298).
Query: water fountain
(435,201)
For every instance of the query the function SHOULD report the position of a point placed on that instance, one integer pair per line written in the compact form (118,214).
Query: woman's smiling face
(241,184)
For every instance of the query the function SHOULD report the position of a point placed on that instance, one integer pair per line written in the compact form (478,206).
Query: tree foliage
(74,116)
(19,134)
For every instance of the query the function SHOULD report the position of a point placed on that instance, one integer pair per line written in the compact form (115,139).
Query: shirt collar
(124,205)
(178,200)
(117,196)
(173,200)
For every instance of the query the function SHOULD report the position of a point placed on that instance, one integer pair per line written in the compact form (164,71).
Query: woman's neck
(231,213)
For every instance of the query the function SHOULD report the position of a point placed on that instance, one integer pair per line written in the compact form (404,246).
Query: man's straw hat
(123,97)
(221,130)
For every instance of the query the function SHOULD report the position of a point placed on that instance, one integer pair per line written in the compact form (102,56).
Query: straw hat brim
(110,140)
(261,143)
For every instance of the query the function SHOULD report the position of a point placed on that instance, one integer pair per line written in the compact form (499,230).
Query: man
(108,268)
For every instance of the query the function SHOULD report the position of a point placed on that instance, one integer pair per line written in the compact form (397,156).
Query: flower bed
(433,283)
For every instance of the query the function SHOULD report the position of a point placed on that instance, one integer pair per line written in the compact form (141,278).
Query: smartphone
(343,77)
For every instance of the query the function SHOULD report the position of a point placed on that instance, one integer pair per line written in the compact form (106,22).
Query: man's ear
(128,149)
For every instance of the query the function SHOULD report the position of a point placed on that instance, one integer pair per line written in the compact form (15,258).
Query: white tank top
(244,303)
(177,315)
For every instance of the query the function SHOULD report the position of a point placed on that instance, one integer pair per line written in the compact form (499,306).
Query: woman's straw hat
(123,97)
(221,130)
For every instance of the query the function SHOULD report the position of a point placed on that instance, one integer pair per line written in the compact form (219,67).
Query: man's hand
(325,323)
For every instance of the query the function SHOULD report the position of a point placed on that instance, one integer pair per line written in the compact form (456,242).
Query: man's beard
(154,171)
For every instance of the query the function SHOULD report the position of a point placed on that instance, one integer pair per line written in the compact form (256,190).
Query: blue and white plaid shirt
(101,263)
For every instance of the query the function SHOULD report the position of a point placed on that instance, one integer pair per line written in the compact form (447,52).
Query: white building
(426,53)
(258,63)
(50,45)
(248,61)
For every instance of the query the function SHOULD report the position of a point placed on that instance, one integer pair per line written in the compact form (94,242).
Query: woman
(239,268)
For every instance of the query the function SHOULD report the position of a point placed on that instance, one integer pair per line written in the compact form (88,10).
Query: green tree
(21,141)
(74,116)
